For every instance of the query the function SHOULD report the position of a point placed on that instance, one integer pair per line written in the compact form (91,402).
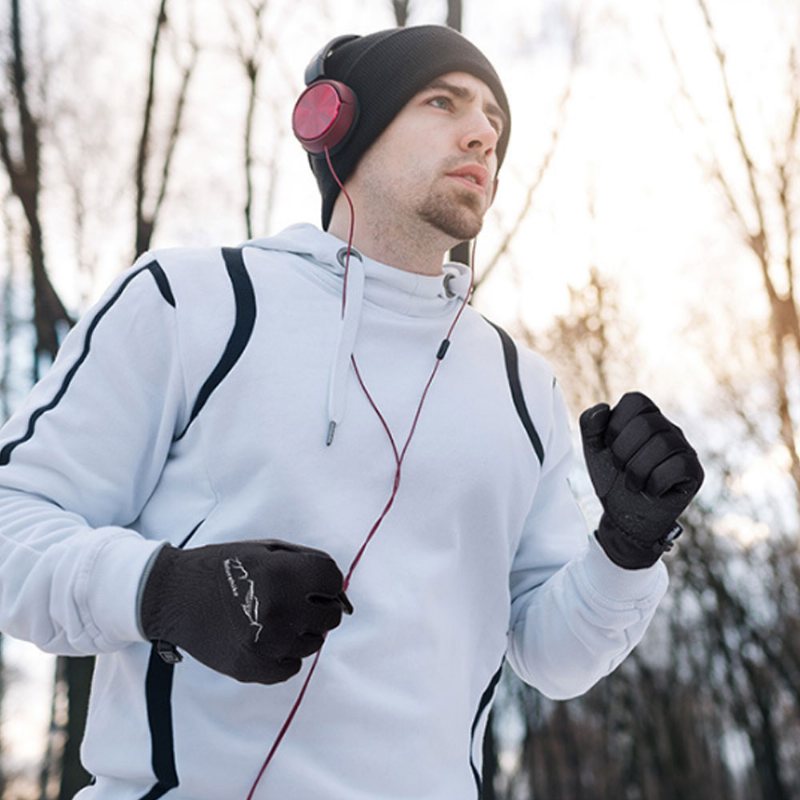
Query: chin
(458,221)
(462,229)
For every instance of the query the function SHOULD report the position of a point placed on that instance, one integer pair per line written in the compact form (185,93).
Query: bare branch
(50,315)
(144,227)
(733,115)
(30,139)
(175,129)
(785,162)
(401,11)
(454,14)
(5,153)
(713,165)
(544,165)
(251,62)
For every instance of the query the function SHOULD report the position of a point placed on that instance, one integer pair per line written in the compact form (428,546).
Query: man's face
(437,160)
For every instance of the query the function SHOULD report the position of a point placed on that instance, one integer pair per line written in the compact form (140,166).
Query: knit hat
(385,70)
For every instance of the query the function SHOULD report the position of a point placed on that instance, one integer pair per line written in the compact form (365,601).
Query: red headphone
(325,114)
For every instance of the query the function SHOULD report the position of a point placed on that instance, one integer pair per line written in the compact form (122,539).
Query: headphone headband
(316,67)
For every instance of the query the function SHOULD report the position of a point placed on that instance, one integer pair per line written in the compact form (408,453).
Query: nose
(479,134)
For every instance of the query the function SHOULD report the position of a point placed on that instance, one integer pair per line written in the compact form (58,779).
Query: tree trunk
(78,673)
(489,761)
(455,10)
(50,316)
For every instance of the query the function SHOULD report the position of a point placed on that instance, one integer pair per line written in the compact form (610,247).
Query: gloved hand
(645,474)
(251,610)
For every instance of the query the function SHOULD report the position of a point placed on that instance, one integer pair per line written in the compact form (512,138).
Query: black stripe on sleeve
(512,369)
(158,692)
(245,301)
(163,286)
(161,281)
(486,699)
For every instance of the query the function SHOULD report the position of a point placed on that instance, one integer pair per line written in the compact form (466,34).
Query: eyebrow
(462,93)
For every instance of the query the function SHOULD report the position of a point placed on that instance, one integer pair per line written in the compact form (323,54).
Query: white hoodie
(191,405)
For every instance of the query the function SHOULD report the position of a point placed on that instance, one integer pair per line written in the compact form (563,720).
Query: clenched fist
(251,610)
(645,473)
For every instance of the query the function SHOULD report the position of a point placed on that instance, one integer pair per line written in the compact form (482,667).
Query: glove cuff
(630,552)
(154,594)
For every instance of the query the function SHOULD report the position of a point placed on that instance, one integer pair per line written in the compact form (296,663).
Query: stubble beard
(458,213)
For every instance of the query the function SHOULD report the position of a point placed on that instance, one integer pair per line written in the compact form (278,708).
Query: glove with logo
(645,473)
(251,610)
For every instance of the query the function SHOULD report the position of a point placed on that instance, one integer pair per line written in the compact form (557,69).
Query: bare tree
(20,150)
(251,62)
(146,218)
(401,8)
(545,160)
(262,47)
(762,211)
(455,13)
(592,344)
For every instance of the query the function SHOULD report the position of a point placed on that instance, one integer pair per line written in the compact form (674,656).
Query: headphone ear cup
(324,115)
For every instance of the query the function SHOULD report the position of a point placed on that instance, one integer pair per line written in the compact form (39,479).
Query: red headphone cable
(399,457)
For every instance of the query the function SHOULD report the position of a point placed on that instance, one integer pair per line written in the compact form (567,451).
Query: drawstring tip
(331,431)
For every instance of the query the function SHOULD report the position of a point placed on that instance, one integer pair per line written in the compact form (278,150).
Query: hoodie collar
(386,286)
(367,280)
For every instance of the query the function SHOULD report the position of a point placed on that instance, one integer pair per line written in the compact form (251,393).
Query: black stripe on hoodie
(158,694)
(512,370)
(166,292)
(486,699)
(245,302)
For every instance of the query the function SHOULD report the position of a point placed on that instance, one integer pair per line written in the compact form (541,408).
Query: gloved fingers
(653,452)
(321,576)
(593,424)
(283,669)
(280,546)
(639,430)
(679,477)
(301,574)
(325,599)
(321,617)
(305,644)
(347,606)
(631,404)
(251,667)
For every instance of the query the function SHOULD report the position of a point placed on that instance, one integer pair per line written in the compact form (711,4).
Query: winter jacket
(191,405)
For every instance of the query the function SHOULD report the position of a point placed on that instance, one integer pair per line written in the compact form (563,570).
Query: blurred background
(645,235)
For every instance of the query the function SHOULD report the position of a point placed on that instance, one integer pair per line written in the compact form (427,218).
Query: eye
(441,101)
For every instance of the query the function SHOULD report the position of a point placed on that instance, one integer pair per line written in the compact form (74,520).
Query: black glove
(251,609)
(645,474)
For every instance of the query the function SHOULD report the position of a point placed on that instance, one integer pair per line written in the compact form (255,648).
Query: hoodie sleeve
(575,615)
(78,462)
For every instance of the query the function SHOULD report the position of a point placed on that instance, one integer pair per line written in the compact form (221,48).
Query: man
(237,447)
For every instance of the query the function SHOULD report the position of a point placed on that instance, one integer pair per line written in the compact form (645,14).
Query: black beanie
(385,70)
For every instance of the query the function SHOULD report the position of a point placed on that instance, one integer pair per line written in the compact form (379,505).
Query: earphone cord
(399,457)
(351,231)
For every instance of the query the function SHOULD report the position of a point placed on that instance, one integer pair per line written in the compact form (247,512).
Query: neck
(420,249)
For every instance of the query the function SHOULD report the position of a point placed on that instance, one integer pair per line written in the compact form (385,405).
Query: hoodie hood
(367,280)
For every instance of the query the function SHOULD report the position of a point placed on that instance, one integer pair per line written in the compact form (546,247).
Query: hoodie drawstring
(346,340)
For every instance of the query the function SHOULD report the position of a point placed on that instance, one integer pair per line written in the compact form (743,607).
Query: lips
(471,175)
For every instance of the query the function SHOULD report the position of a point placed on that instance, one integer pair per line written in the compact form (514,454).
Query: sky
(627,190)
